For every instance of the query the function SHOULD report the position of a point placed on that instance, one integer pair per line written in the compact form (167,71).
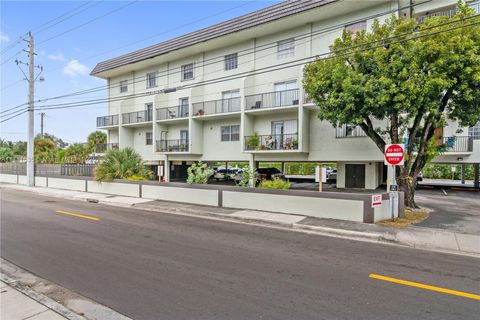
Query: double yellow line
(426,287)
(77,215)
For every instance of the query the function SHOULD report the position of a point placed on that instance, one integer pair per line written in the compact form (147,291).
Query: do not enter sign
(394,154)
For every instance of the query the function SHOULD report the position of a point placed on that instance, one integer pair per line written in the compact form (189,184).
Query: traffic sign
(394,154)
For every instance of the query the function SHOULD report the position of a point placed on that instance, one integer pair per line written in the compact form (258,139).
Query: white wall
(186,195)
(121,189)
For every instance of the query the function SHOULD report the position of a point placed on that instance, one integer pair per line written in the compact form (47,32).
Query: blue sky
(68,59)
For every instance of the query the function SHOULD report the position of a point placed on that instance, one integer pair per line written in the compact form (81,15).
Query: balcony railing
(272,99)
(458,144)
(216,106)
(172,112)
(107,121)
(271,142)
(137,117)
(347,131)
(447,13)
(104,147)
(175,145)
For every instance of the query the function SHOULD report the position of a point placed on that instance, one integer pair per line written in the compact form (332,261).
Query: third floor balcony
(137,117)
(172,113)
(221,106)
(286,98)
(107,121)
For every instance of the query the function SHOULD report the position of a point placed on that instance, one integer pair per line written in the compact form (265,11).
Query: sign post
(394,156)
(320,176)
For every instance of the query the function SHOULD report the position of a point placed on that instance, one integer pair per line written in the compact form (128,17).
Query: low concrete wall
(8,178)
(351,210)
(206,197)
(22,180)
(41,181)
(116,188)
(68,184)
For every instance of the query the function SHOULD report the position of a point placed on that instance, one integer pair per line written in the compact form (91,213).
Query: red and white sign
(376,200)
(394,154)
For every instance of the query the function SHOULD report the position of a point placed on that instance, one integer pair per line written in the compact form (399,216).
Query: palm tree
(122,164)
(96,137)
(77,153)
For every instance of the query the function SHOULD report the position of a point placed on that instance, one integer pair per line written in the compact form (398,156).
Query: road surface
(150,265)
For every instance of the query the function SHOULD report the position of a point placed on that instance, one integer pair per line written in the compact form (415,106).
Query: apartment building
(232,92)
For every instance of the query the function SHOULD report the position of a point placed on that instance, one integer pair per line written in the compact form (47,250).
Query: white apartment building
(232,92)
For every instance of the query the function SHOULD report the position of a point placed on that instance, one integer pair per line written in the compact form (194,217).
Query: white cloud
(4,37)
(57,57)
(74,67)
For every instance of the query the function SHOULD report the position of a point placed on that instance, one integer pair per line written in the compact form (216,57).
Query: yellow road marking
(77,215)
(426,287)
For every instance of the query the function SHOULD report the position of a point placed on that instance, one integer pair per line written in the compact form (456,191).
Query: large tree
(402,80)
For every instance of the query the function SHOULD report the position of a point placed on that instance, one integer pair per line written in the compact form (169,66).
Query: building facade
(232,92)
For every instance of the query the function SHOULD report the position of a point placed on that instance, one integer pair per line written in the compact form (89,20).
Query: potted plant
(182,147)
(253,142)
(295,144)
(170,149)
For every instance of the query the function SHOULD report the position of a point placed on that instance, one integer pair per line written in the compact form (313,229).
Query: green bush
(6,154)
(122,164)
(199,173)
(275,183)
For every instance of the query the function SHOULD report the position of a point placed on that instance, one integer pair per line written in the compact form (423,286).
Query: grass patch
(411,217)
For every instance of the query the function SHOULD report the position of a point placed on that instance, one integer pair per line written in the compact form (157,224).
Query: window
(474,131)
(231,61)
(151,80)
(183,107)
(286,48)
(230,133)
(356,27)
(187,71)
(148,111)
(148,138)
(123,86)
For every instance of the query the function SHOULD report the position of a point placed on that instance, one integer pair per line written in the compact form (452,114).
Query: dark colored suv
(269,174)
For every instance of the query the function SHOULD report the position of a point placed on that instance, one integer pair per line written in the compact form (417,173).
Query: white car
(332,176)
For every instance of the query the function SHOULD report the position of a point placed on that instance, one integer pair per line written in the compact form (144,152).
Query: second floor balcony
(348,131)
(458,144)
(172,145)
(216,106)
(137,117)
(271,142)
(272,99)
(169,113)
(107,121)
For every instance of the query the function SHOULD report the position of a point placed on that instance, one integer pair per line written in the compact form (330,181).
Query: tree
(44,150)
(122,164)
(96,137)
(198,173)
(59,142)
(76,153)
(6,154)
(402,80)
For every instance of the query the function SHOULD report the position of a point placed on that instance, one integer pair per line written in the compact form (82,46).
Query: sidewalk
(412,236)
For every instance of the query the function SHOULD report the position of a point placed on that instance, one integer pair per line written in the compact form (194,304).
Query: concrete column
(252,165)
(476,174)
(283,167)
(166,171)
(463,173)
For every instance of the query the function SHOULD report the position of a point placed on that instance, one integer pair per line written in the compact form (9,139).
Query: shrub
(275,183)
(6,154)
(198,173)
(121,164)
(247,176)
(253,142)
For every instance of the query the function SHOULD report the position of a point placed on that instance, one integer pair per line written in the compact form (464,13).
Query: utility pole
(42,116)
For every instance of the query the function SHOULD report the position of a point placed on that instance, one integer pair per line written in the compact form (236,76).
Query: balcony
(272,99)
(458,144)
(271,142)
(104,147)
(173,145)
(170,113)
(349,131)
(220,106)
(107,121)
(475,5)
(137,117)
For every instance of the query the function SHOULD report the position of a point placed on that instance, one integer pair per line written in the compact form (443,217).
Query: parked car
(420,176)
(226,174)
(263,174)
(332,176)
(94,158)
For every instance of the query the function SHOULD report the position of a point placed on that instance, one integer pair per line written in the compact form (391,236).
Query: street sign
(376,200)
(322,176)
(394,154)
(394,187)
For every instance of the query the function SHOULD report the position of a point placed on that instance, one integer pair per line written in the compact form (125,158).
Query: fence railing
(272,99)
(172,145)
(43,169)
(172,112)
(347,131)
(104,147)
(272,142)
(137,117)
(107,121)
(458,144)
(217,106)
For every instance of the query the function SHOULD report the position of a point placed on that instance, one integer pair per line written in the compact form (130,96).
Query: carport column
(251,167)
(463,173)
(476,174)
(166,169)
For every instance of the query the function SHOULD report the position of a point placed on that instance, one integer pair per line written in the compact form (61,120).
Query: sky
(72,36)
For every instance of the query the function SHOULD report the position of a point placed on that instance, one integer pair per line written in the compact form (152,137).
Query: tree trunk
(407,185)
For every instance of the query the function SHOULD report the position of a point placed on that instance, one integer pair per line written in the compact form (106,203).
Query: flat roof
(246,21)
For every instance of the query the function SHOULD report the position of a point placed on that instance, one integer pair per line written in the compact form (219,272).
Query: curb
(42,299)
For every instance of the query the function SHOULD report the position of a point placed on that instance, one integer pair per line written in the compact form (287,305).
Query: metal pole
(31,89)
(42,116)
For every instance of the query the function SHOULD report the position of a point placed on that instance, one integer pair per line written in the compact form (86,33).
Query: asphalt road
(157,266)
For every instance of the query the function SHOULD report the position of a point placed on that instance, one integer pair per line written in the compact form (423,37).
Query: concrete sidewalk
(412,236)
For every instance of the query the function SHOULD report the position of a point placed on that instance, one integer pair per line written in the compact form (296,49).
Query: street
(148,265)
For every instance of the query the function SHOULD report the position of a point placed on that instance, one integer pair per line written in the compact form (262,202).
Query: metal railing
(348,131)
(272,142)
(137,117)
(458,144)
(104,147)
(49,169)
(272,99)
(447,13)
(172,112)
(172,145)
(217,106)
(107,121)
